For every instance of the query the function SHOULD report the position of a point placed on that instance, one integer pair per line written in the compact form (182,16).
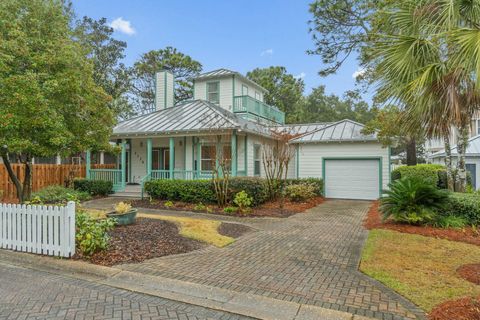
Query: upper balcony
(249,105)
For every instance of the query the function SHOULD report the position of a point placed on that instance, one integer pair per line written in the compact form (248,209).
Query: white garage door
(352,179)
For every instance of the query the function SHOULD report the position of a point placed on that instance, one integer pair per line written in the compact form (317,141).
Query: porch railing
(113,175)
(247,104)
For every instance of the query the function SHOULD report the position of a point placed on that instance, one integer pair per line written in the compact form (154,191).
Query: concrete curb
(245,304)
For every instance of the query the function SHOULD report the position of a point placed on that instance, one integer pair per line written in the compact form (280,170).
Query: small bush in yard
(317,184)
(200,207)
(256,188)
(426,172)
(91,235)
(300,192)
(56,194)
(243,201)
(450,221)
(230,209)
(168,204)
(465,205)
(413,201)
(94,187)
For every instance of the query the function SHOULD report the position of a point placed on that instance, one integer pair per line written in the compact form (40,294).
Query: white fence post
(46,230)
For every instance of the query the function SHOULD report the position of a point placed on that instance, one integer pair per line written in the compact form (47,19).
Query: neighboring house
(472,159)
(435,145)
(228,115)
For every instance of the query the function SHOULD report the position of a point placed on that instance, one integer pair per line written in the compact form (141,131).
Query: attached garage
(352,165)
(352,178)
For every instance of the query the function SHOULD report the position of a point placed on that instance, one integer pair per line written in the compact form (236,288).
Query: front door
(166,159)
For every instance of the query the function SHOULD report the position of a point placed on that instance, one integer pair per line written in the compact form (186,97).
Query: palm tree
(428,58)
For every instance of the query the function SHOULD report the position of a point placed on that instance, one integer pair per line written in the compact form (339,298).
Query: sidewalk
(245,304)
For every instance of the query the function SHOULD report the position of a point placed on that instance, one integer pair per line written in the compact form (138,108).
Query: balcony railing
(113,175)
(247,104)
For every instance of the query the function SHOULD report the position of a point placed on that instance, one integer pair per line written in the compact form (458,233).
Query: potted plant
(124,213)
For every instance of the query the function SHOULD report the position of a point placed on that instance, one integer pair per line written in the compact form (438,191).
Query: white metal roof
(225,72)
(300,129)
(473,148)
(344,130)
(192,116)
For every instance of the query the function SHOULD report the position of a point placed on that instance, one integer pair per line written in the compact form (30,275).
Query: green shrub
(317,184)
(442,179)
(58,194)
(192,191)
(450,221)
(230,210)
(91,234)
(427,172)
(243,201)
(256,188)
(465,205)
(200,207)
(300,192)
(413,200)
(94,187)
(168,204)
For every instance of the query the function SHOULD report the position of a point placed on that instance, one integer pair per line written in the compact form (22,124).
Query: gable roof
(344,130)
(473,148)
(225,72)
(188,117)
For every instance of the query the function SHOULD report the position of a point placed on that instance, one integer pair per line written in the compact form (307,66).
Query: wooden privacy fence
(43,175)
(48,230)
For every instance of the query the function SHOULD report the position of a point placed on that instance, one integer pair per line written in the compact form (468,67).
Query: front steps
(131,191)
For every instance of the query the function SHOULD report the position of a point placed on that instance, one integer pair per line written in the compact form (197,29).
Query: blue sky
(238,35)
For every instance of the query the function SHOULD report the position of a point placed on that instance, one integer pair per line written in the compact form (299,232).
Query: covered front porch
(185,157)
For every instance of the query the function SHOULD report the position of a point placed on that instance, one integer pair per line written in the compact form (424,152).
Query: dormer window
(213,92)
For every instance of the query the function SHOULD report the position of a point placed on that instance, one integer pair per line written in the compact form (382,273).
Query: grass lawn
(422,269)
(198,229)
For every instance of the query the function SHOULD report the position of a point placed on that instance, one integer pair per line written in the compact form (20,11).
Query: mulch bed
(461,309)
(269,209)
(470,272)
(146,239)
(374,221)
(233,230)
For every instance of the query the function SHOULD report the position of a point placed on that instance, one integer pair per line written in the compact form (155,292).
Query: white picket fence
(48,230)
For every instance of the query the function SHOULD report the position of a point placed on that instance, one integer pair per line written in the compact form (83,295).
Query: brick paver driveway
(308,258)
(28,294)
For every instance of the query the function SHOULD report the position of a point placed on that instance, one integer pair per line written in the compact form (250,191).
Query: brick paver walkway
(28,294)
(309,258)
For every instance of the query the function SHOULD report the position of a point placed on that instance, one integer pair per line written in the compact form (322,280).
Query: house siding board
(239,83)
(240,153)
(311,154)
(139,159)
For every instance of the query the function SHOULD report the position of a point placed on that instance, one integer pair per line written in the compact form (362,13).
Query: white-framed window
(209,157)
(256,159)
(207,161)
(258,96)
(244,90)
(213,92)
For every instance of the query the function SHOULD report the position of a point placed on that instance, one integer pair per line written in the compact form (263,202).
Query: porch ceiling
(196,116)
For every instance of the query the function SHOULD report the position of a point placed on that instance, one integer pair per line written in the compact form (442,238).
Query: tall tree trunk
(448,162)
(27,184)
(411,152)
(461,150)
(12,175)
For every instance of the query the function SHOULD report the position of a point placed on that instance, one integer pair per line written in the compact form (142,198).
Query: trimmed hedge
(196,191)
(427,172)
(93,187)
(466,205)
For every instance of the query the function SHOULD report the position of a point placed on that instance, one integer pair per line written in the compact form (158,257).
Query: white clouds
(123,26)
(267,52)
(301,75)
(360,72)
